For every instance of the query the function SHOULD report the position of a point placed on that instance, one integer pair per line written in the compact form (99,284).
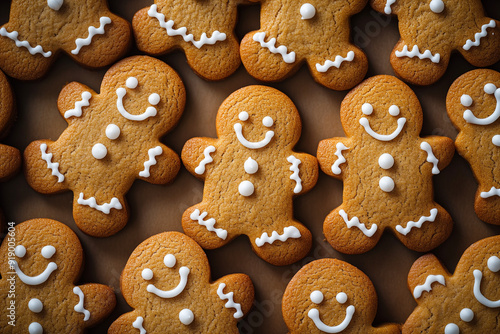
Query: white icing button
(48,251)
(169,260)
(267,121)
(131,83)
(154,99)
(466,315)
(367,109)
(147,274)
(386,161)
(35,328)
(251,166)
(496,140)
(20,251)
(466,100)
(246,188)
(35,305)
(112,131)
(243,116)
(186,316)
(99,151)
(55,4)
(386,184)
(307,11)
(394,110)
(451,329)
(494,264)
(490,88)
(341,297)
(316,297)
(437,6)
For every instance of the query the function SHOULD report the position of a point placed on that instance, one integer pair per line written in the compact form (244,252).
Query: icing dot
(367,109)
(35,305)
(131,82)
(466,100)
(186,316)
(386,161)
(307,11)
(437,6)
(251,166)
(169,260)
(48,251)
(496,140)
(316,297)
(451,329)
(99,151)
(466,315)
(246,188)
(154,99)
(55,4)
(386,184)
(151,111)
(494,264)
(112,131)
(35,328)
(341,297)
(147,274)
(267,121)
(243,116)
(394,110)
(20,251)
(490,88)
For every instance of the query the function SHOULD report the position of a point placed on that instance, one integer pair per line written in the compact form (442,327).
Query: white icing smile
(47,252)
(238,128)
(367,109)
(169,261)
(469,117)
(317,298)
(153,99)
(494,266)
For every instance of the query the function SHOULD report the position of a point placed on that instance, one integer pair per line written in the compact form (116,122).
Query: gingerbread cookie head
(316,32)
(41,260)
(167,282)
(112,139)
(429,34)
(251,175)
(387,170)
(203,29)
(473,104)
(466,302)
(85,30)
(331,296)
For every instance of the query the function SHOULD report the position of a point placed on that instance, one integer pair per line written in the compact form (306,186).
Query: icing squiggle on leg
(33,50)
(81,42)
(477,37)
(230,301)
(288,232)
(336,63)
(415,52)
(288,58)
(209,224)
(354,222)
(418,224)
(493,192)
(104,208)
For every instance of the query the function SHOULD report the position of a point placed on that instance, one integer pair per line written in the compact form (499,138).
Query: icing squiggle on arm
(79,307)
(54,166)
(288,232)
(387,8)
(419,289)
(477,37)
(230,301)
(418,224)
(206,160)
(430,157)
(493,192)
(209,224)
(104,208)
(81,42)
(295,176)
(336,63)
(77,112)
(33,50)
(138,324)
(340,158)
(288,58)
(354,222)
(415,52)
(152,153)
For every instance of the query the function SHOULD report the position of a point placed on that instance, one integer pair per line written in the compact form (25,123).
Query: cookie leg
(347,234)
(488,209)
(282,245)
(426,232)
(487,52)
(128,323)
(199,224)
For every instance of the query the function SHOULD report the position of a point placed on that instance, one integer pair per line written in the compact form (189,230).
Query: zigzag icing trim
(33,50)
(419,289)
(288,232)
(415,52)
(230,301)
(54,166)
(295,176)
(209,224)
(336,63)
(354,222)
(477,37)
(104,208)
(493,192)
(153,153)
(288,58)
(81,42)
(418,224)
(341,159)
(206,160)
(77,111)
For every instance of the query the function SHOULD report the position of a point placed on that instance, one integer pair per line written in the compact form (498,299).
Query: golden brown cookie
(314,31)
(167,282)
(40,29)
(387,170)
(331,296)
(473,104)
(466,302)
(41,259)
(204,30)
(432,29)
(251,175)
(112,139)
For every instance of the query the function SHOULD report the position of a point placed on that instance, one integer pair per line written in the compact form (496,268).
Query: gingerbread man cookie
(40,261)
(167,282)
(473,104)
(251,176)
(387,170)
(112,139)
(316,32)
(432,29)
(204,30)
(466,302)
(39,29)
(331,296)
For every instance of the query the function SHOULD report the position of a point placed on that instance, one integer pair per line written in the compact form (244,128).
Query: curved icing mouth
(150,111)
(238,128)
(34,280)
(183,273)
(314,315)
(478,276)
(469,117)
(366,124)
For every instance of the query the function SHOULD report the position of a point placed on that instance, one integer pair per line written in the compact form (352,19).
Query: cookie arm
(425,275)
(332,156)
(308,171)
(443,149)
(98,299)
(73,100)
(160,166)
(10,161)
(198,155)
(243,293)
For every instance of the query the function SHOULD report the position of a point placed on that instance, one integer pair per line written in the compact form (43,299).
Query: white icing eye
(243,116)
(367,109)
(394,110)
(35,305)
(48,251)
(451,329)
(437,6)
(112,131)
(154,99)
(20,251)
(386,184)
(496,140)
(251,166)
(307,11)
(55,4)
(494,264)
(341,297)
(316,297)
(490,88)
(386,161)
(169,260)
(131,83)
(267,121)
(466,100)
(147,274)
(186,316)
(99,151)
(466,315)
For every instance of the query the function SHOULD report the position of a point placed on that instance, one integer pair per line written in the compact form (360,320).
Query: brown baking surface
(155,209)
